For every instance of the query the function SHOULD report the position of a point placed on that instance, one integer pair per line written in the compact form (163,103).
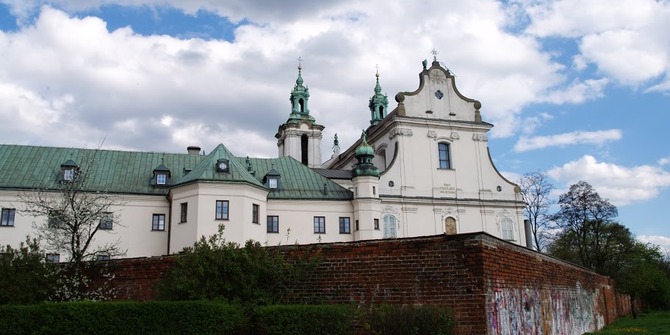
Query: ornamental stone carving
(400,132)
(438,77)
(455,136)
(480,137)
(432,134)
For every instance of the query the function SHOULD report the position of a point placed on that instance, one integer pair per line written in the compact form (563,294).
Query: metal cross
(299,62)
(434,52)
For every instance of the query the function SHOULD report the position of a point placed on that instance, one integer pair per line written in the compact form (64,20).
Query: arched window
(303,148)
(390,228)
(302,105)
(507,229)
(444,155)
(450,226)
(381,112)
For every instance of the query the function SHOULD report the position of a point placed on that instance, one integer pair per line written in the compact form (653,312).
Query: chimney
(193,150)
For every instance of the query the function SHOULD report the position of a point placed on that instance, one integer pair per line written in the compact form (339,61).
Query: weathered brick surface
(465,272)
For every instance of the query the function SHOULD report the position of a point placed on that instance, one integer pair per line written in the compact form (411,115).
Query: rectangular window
(161,179)
(345,225)
(376,224)
(254,213)
(158,222)
(53,258)
(221,210)
(102,257)
(68,174)
(106,222)
(443,150)
(55,219)
(273,224)
(8,217)
(319,225)
(357,227)
(183,212)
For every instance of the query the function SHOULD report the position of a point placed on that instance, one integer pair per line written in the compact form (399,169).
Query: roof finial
(434,52)
(377,75)
(299,63)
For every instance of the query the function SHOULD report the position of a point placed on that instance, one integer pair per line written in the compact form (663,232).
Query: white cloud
(529,124)
(661,241)
(622,185)
(664,161)
(577,92)
(626,40)
(572,138)
(121,85)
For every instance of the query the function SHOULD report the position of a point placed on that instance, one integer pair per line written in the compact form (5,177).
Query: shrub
(26,278)
(406,320)
(214,269)
(304,319)
(127,317)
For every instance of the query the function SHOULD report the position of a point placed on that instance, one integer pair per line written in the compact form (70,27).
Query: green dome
(364,149)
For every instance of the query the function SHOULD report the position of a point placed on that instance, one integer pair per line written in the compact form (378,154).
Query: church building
(422,167)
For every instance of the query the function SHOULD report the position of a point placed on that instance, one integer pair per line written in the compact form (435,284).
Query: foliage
(587,226)
(648,324)
(591,238)
(304,319)
(199,317)
(73,210)
(407,320)
(26,278)
(535,190)
(214,269)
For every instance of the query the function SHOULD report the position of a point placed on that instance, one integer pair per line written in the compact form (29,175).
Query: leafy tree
(535,190)
(214,269)
(586,222)
(26,277)
(74,208)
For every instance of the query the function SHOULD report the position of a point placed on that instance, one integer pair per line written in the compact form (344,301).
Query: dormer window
(161,176)
(272,179)
(222,165)
(68,171)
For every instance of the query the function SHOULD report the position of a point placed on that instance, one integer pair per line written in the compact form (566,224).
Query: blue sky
(578,89)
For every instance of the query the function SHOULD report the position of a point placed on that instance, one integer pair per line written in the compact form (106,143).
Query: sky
(578,89)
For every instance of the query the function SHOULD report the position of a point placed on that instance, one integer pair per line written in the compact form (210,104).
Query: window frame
(444,161)
(54,220)
(319,225)
(345,225)
(52,258)
(7,217)
(156,224)
(68,174)
(161,178)
(507,229)
(224,214)
(255,213)
(183,212)
(106,221)
(273,224)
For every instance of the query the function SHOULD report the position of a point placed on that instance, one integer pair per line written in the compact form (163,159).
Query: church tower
(378,104)
(300,136)
(367,205)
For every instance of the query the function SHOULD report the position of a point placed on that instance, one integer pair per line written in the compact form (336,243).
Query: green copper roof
(297,181)
(131,172)
(26,167)
(206,169)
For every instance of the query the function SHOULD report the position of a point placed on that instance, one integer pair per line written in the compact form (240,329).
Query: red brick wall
(492,286)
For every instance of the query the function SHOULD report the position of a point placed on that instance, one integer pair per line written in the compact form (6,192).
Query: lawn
(648,323)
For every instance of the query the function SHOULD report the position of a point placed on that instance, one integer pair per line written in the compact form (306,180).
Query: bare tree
(76,210)
(535,190)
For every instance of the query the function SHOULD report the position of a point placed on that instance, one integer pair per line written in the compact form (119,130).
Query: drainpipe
(169,230)
(529,235)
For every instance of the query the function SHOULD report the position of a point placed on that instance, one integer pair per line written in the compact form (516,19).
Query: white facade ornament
(432,134)
(400,132)
(454,135)
(389,210)
(480,137)
(437,77)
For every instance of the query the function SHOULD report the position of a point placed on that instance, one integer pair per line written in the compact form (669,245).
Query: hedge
(197,317)
(304,319)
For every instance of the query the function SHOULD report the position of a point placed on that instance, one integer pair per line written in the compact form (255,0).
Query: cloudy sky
(578,89)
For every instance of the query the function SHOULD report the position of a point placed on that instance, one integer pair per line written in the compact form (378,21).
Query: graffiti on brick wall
(555,310)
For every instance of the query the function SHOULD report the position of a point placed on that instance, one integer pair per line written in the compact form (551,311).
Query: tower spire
(378,103)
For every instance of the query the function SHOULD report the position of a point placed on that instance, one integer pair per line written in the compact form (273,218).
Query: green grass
(647,324)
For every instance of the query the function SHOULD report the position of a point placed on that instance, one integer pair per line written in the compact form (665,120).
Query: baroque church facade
(421,168)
